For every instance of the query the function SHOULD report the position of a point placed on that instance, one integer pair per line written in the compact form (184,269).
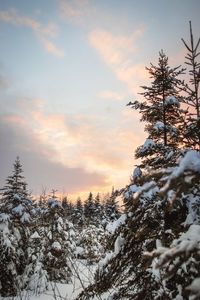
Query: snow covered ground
(82,276)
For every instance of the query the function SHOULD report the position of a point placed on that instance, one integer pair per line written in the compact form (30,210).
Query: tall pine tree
(192,132)
(161,112)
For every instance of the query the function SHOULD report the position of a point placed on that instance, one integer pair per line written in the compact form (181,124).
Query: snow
(56,245)
(67,291)
(25,217)
(149,187)
(195,287)
(18,210)
(192,234)
(54,203)
(113,226)
(132,189)
(137,172)
(185,244)
(159,126)
(17,197)
(79,251)
(35,235)
(106,259)
(118,244)
(149,143)
(4,217)
(191,161)
(171,100)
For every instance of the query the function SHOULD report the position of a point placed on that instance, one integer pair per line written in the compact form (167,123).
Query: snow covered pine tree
(162,114)
(15,222)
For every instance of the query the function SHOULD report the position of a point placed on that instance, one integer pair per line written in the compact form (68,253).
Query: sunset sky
(67,70)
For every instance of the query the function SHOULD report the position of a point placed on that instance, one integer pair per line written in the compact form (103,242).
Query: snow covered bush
(59,243)
(35,275)
(91,243)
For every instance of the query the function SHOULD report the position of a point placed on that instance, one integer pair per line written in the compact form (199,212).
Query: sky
(67,70)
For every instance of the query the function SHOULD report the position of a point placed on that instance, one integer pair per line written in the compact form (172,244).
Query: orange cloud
(118,53)
(41,31)
(79,141)
(113,49)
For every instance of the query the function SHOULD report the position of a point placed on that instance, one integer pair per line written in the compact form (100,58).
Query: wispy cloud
(43,32)
(111,95)
(118,53)
(52,48)
(76,11)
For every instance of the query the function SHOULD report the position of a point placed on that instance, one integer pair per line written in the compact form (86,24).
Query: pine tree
(16,218)
(98,210)
(161,112)
(15,185)
(67,207)
(111,207)
(192,132)
(78,214)
(35,275)
(156,250)
(59,243)
(89,209)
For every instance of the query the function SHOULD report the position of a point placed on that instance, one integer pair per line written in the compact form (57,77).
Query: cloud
(43,33)
(113,49)
(118,52)
(111,95)
(85,147)
(52,48)
(76,11)
(39,171)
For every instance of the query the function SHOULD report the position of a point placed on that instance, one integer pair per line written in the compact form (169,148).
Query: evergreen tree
(59,243)
(16,218)
(15,185)
(89,209)
(155,253)
(98,210)
(192,132)
(78,214)
(67,208)
(111,207)
(35,275)
(161,112)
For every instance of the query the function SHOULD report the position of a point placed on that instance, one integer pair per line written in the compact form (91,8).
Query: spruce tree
(161,112)
(78,215)
(89,209)
(58,243)
(16,219)
(111,207)
(192,131)
(98,209)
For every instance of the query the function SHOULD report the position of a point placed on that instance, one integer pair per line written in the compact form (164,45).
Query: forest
(139,242)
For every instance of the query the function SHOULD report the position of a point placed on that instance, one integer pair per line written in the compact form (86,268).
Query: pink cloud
(118,53)
(52,48)
(41,31)
(79,141)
